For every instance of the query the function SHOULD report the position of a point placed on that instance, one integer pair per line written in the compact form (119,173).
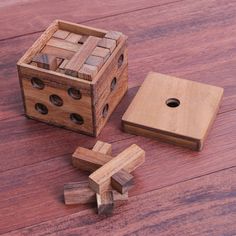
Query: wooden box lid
(174,110)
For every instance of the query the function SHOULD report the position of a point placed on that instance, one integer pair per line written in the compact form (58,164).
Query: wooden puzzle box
(74,76)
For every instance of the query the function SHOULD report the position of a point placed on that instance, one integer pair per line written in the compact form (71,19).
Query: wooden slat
(77,61)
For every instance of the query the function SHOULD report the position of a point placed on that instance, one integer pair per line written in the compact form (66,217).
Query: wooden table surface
(178,191)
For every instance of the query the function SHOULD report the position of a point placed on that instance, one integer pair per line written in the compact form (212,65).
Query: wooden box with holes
(74,76)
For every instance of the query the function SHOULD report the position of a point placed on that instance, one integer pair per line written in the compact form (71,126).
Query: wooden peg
(128,160)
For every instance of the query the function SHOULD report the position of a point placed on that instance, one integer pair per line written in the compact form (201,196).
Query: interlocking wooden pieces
(174,110)
(118,179)
(74,76)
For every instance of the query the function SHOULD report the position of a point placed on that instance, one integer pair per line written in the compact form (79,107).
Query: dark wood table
(178,191)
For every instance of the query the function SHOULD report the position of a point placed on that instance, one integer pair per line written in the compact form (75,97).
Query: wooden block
(73,38)
(45,61)
(105,203)
(115,35)
(78,193)
(83,39)
(63,44)
(101,52)
(76,62)
(128,160)
(61,34)
(58,52)
(95,61)
(61,67)
(81,193)
(87,72)
(122,181)
(103,147)
(174,110)
(107,43)
(88,160)
(85,159)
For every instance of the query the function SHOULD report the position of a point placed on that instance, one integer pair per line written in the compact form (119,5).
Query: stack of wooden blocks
(110,178)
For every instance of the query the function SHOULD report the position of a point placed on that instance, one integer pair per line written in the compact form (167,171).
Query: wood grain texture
(41,14)
(188,39)
(202,206)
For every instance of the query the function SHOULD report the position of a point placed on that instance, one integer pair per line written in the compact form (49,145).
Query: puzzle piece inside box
(173,110)
(74,76)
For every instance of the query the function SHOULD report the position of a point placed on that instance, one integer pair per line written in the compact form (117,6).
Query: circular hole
(37,83)
(120,60)
(56,100)
(74,93)
(105,110)
(172,102)
(113,83)
(76,118)
(42,109)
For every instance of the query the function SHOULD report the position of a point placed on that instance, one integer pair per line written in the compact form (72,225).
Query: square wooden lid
(175,110)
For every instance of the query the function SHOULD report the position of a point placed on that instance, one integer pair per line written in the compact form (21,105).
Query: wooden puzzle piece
(95,61)
(61,67)
(115,35)
(107,43)
(102,147)
(104,53)
(105,203)
(79,58)
(73,38)
(63,44)
(128,160)
(58,52)
(122,181)
(87,72)
(89,160)
(45,61)
(61,34)
(78,193)
(81,193)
